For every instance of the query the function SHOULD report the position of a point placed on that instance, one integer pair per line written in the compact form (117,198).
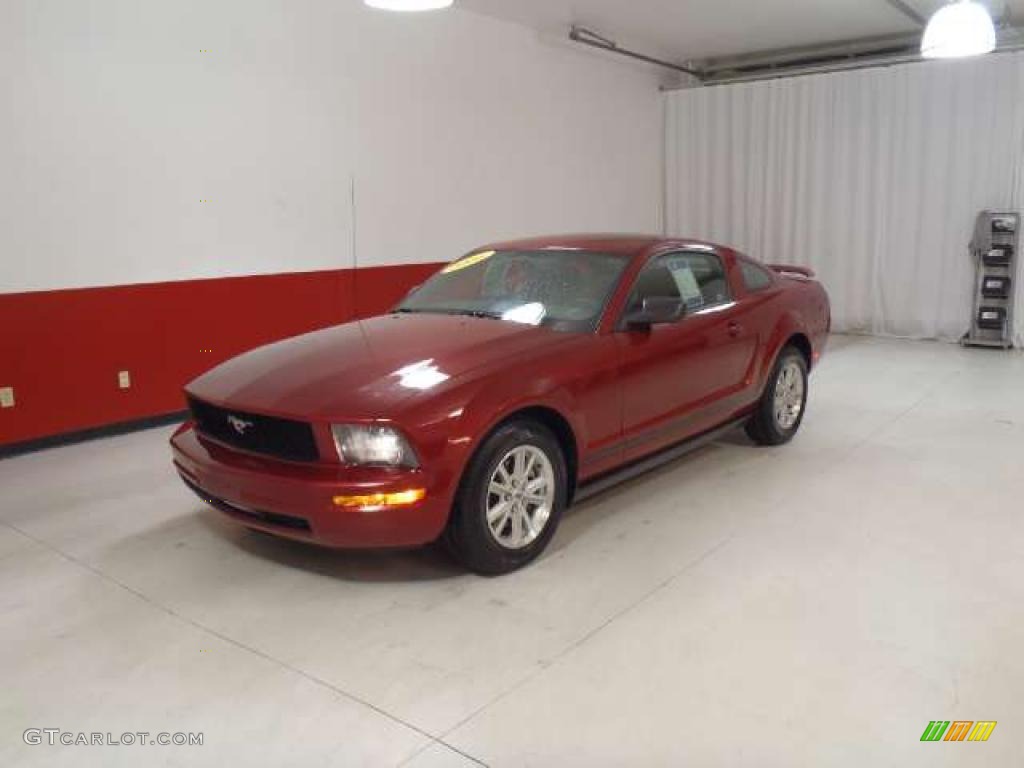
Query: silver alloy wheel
(520,497)
(789,395)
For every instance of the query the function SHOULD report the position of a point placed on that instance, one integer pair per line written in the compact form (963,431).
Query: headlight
(373,446)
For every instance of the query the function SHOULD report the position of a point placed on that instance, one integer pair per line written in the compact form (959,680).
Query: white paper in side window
(687,285)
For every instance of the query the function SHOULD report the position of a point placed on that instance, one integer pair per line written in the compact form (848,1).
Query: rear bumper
(296,500)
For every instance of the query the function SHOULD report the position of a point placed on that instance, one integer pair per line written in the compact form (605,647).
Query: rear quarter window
(755,278)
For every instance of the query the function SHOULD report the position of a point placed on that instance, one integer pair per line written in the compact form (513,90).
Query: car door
(680,379)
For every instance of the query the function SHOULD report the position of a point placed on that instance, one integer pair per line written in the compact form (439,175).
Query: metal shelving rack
(995,251)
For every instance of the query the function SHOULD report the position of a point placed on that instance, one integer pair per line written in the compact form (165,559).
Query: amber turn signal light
(374,501)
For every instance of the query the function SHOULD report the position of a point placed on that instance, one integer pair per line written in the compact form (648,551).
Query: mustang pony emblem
(239,425)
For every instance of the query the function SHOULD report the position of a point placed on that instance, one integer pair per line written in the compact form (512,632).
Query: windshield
(564,289)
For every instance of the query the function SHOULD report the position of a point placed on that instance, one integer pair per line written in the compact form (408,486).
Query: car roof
(619,244)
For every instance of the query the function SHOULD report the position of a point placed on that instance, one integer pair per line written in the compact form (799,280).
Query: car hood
(364,369)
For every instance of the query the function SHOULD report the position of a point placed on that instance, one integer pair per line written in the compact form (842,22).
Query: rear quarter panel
(801,307)
(793,304)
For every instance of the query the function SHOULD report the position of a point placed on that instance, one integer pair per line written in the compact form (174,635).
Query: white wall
(472,130)
(874,178)
(453,128)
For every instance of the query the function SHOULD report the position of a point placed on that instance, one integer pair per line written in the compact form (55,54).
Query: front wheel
(781,408)
(510,501)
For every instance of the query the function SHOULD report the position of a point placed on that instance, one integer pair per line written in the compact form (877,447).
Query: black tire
(764,426)
(468,536)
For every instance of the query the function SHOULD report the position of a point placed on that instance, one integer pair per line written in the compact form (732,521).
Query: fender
(583,365)
(457,425)
(493,405)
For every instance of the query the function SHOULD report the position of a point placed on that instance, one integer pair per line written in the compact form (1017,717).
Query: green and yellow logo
(958,730)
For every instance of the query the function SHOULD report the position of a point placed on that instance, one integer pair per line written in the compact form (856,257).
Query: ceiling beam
(585,36)
(886,44)
(850,56)
(907,10)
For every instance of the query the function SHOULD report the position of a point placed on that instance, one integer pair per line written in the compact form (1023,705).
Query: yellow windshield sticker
(469,261)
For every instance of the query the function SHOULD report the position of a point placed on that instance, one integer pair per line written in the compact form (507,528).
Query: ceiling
(700,29)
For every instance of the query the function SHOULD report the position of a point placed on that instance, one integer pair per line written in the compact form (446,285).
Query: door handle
(735,329)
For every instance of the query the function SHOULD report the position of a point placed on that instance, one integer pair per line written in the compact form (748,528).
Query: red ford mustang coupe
(519,378)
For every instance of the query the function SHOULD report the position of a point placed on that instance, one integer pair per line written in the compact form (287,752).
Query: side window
(654,281)
(696,278)
(755,278)
(700,277)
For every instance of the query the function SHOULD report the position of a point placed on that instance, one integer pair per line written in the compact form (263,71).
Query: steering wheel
(515,277)
(579,274)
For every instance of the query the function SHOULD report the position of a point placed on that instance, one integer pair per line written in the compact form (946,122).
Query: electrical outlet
(6,397)
(124,379)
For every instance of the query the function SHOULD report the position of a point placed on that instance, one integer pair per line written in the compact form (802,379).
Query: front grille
(267,435)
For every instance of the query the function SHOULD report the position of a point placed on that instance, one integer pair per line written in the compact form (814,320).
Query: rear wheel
(780,410)
(511,499)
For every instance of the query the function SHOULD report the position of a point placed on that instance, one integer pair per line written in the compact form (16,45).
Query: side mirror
(656,310)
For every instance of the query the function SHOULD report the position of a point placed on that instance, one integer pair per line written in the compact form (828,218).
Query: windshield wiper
(476,313)
(439,311)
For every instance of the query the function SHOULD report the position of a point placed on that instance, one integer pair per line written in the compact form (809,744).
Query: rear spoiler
(787,269)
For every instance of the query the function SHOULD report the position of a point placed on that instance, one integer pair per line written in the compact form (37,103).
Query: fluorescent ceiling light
(963,28)
(409,5)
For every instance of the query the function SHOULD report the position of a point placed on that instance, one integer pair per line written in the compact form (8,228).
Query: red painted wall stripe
(62,350)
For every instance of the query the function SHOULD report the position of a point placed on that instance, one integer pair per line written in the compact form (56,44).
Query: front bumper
(296,500)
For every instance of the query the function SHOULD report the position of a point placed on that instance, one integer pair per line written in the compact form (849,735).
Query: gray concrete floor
(811,605)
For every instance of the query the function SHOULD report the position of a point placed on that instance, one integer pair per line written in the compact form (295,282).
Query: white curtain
(872,177)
